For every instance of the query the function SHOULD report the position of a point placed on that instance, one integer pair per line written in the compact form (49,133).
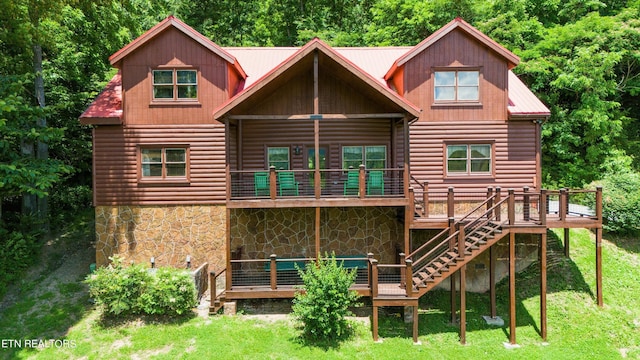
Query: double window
(373,157)
(469,159)
(457,86)
(174,84)
(163,163)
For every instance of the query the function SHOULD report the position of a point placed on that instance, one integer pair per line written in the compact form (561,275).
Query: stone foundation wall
(166,233)
(291,232)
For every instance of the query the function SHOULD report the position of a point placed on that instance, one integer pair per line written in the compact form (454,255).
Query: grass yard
(59,308)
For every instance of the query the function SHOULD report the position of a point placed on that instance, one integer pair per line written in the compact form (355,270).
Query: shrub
(135,290)
(620,202)
(19,246)
(324,304)
(172,292)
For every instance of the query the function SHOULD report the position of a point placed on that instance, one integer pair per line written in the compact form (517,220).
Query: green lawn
(577,327)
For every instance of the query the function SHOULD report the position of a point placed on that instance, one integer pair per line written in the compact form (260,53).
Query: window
(278,157)
(457,85)
(373,157)
(467,159)
(175,84)
(160,163)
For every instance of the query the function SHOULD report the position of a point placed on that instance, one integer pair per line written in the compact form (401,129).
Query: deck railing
(528,205)
(355,183)
(276,272)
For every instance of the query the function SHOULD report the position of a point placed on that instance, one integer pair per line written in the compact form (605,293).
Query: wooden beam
(363,116)
(463,304)
(229,272)
(374,324)
(566,242)
(318,233)
(599,267)
(492,282)
(543,286)
(415,324)
(512,288)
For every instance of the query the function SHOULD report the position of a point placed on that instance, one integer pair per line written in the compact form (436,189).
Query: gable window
(469,159)
(163,163)
(278,157)
(457,85)
(373,157)
(175,84)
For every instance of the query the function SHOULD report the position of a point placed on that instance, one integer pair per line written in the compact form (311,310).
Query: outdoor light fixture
(297,150)
(153,262)
(188,261)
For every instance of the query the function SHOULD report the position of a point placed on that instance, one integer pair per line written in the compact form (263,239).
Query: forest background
(581,57)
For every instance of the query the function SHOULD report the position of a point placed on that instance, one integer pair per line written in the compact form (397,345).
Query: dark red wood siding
(116,169)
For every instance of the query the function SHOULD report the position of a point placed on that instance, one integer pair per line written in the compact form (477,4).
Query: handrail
(427,243)
(445,241)
(489,211)
(491,198)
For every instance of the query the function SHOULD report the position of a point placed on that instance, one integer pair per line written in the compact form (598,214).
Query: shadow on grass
(435,309)
(629,242)
(324,343)
(110,321)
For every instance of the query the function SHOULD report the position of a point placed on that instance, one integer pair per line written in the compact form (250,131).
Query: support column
(492,282)
(512,288)
(463,304)
(374,323)
(415,324)
(599,267)
(543,286)
(566,242)
(452,297)
(318,255)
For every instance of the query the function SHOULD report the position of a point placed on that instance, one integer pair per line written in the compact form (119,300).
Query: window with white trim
(175,84)
(469,159)
(163,163)
(457,85)
(373,157)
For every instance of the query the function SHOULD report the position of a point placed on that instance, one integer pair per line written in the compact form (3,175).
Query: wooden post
(425,200)
(450,203)
(318,224)
(212,287)
(562,204)
(566,242)
(452,278)
(511,207)
(489,198)
(273,273)
(599,203)
(272,182)
(403,271)
(599,266)
(415,324)
(374,324)
(229,272)
(369,275)
(374,278)
(498,211)
(543,207)
(512,288)
(409,277)
(492,281)
(361,181)
(526,209)
(461,247)
(463,304)
(543,286)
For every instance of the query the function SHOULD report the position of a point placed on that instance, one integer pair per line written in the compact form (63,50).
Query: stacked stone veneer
(291,232)
(166,233)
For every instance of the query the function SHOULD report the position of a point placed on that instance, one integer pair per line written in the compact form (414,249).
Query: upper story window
(469,159)
(174,84)
(163,163)
(457,85)
(373,157)
(278,157)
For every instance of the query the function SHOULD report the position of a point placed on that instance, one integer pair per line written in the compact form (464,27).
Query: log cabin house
(407,163)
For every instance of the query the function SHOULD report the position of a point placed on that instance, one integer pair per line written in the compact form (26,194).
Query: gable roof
(462,25)
(316,45)
(522,102)
(171,21)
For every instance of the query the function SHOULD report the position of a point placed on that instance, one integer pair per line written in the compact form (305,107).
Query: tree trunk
(42,152)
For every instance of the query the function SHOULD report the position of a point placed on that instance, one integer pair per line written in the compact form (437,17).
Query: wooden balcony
(334,188)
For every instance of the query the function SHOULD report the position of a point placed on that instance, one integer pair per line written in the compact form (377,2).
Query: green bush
(172,292)
(324,304)
(621,202)
(136,290)
(19,247)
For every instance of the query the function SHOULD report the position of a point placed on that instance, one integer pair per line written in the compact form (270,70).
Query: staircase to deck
(444,254)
